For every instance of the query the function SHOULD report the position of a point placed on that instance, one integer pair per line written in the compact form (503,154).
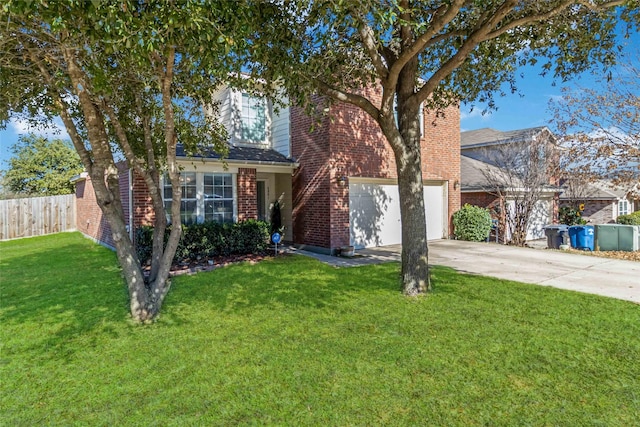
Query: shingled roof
(474,174)
(241,155)
(602,190)
(488,136)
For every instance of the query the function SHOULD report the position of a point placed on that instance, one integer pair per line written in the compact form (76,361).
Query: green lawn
(294,342)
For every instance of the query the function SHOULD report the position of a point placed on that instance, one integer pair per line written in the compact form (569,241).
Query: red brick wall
(357,148)
(351,144)
(311,181)
(441,154)
(247,194)
(482,199)
(142,206)
(89,218)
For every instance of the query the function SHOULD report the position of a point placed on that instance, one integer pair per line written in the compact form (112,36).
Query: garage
(374,212)
(541,215)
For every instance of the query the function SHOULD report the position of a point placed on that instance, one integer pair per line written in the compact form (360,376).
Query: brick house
(483,155)
(336,184)
(602,200)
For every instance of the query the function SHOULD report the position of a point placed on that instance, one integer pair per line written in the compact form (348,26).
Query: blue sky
(532,108)
(514,111)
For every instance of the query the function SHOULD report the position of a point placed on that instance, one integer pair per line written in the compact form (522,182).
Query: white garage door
(374,213)
(540,216)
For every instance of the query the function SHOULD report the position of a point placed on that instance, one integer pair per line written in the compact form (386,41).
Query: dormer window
(253,119)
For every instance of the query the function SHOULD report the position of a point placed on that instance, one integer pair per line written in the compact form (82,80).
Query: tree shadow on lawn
(293,281)
(74,297)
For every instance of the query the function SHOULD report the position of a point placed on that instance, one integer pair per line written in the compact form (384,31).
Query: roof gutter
(292,165)
(80,177)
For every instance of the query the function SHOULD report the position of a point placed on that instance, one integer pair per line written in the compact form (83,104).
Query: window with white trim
(188,203)
(205,197)
(253,119)
(623,207)
(218,197)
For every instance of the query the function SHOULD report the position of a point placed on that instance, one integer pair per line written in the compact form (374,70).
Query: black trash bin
(554,234)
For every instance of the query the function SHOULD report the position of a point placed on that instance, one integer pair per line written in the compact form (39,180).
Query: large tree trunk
(415,266)
(406,147)
(415,253)
(145,300)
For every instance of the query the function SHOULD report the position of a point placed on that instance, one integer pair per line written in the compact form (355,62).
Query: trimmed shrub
(249,237)
(144,243)
(472,223)
(276,219)
(630,219)
(209,239)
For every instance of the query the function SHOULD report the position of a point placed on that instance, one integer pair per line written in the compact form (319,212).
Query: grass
(291,341)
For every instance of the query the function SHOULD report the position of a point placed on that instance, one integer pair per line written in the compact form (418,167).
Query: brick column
(247,194)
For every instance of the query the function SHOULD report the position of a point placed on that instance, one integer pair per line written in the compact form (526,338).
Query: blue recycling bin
(582,237)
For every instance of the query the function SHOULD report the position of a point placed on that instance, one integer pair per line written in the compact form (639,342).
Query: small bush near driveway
(472,223)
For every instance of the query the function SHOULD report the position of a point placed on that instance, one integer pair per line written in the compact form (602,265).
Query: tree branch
(63,110)
(550,14)
(465,50)
(351,98)
(441,18)
(369,42)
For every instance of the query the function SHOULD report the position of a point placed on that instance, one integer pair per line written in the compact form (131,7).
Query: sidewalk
(583,273)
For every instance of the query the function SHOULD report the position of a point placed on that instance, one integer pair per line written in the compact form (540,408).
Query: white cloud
(54,129)
(556,98)
(475,113)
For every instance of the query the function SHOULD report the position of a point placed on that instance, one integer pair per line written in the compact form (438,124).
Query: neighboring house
(502,171)
(336,184)
(602,201)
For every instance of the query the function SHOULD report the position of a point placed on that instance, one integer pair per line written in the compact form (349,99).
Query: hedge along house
(336,185)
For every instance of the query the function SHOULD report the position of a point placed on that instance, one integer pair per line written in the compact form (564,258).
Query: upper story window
(623,207)
(253,119)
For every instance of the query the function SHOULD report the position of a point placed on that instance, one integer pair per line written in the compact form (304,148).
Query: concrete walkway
(583,273)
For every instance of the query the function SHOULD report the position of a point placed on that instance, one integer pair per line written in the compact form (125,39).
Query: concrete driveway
(583,273)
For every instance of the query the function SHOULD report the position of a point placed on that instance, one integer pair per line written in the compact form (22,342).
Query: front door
(262,200)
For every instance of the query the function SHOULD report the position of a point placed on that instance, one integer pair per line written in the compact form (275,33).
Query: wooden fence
(37,216)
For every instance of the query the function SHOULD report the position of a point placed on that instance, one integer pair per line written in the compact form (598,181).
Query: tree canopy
(128,80)
(41,167)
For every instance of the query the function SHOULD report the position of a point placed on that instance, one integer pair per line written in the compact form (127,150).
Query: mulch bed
(190,266)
